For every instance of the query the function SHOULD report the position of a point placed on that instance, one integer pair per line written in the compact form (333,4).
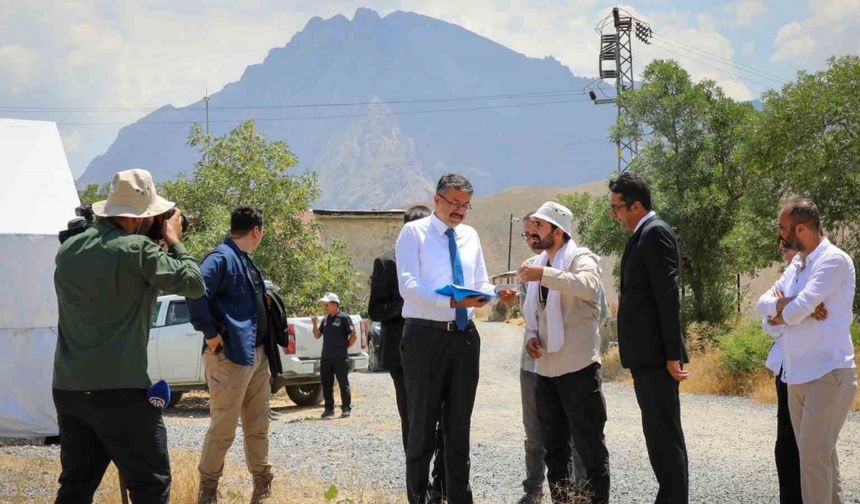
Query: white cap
(330,297)
(556,214)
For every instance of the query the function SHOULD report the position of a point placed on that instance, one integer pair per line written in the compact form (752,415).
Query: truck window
(154,320)
(177,313)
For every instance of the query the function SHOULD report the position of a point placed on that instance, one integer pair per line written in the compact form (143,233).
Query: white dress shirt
(424,265)
(812,348)
(647,216)
(775,356)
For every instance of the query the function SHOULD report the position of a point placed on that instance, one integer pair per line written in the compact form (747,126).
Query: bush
(745,349)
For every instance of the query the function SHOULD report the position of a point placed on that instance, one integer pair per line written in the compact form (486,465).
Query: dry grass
(33,480)
(611,367)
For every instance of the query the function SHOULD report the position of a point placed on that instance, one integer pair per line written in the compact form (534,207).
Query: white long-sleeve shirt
(424,265)
(812,348)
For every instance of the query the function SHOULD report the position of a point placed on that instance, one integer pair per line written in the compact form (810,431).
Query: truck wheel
(175,397)
(305,395)
(373,357)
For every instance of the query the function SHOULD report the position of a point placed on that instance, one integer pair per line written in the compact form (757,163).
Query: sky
(108,63)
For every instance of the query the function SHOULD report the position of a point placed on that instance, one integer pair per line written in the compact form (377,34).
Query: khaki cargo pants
(236,391)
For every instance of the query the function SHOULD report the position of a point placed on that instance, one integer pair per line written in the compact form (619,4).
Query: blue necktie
(462,315)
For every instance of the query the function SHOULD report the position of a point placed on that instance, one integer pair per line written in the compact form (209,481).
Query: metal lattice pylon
(616,62)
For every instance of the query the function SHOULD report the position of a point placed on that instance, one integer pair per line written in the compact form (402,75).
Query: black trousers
(785,451)
(571,406)
(111,425)
(441,374)
(437,476)
(657,394)
(329,369)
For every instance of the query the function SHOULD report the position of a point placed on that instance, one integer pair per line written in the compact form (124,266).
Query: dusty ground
(730,440)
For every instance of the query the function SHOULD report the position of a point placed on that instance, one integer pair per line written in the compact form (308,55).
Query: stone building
(368,234)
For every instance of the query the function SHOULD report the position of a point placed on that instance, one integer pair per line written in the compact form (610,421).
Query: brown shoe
(208,493)
(262,488)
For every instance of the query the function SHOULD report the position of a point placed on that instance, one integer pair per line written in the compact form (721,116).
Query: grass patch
(726,361)
(30,477)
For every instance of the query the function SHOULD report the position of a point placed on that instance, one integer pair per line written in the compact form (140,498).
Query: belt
(450,326)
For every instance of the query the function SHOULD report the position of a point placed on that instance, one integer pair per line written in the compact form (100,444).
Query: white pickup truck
(175,353)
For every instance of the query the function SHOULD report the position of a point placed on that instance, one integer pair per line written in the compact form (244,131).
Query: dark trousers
(785,451)
(329,369)
(437,476)
(657,395)
(441,374)
(572,406)
(111,425)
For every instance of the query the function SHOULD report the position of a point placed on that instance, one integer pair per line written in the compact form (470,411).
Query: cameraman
(107,280)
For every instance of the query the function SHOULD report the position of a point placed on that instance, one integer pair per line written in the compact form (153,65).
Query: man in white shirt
(818,356)
(440,347)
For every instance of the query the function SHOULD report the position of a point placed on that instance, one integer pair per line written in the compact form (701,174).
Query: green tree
(93,192)
(243,168)
(689,136)
(805,143)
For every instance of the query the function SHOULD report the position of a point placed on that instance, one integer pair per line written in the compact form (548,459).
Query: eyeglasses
(616,208)
(458,206)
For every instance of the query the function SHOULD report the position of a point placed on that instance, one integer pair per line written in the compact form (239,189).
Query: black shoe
(346,413)
(329,413)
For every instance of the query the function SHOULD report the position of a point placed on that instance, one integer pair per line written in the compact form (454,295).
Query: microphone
(158,395)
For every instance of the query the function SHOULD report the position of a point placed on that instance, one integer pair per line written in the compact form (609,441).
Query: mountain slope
(415,97)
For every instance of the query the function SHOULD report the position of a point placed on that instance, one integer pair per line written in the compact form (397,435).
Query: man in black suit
(649,332)
(384,306)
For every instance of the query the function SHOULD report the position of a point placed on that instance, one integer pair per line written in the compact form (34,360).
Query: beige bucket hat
(132,194)
(556,214)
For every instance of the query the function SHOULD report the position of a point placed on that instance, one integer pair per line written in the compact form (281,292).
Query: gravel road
(730,440)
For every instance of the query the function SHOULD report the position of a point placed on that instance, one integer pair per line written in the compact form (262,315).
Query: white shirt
(648,215)
(424,265)
(812,348)
(775,356)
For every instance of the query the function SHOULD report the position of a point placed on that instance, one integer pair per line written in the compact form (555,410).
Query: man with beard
(818,356)
(649,332)
(534,450)
(440,349)
(562,310)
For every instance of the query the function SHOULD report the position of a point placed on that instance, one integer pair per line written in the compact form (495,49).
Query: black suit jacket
(649,319)
(385,306)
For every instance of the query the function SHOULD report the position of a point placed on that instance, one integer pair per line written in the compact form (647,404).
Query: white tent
(37,199)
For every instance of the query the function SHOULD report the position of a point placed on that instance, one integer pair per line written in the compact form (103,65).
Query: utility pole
(510,239)
(206,102)
(616,62)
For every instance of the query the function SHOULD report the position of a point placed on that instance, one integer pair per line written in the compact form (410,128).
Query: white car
(175,353)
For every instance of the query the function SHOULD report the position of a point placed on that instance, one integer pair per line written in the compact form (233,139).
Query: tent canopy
(37,199)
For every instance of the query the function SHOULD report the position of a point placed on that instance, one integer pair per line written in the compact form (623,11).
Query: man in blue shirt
(232,317)
(338,334)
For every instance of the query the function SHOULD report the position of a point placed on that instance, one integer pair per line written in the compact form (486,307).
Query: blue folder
(458,292)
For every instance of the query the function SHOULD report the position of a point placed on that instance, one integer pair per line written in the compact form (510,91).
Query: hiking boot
(346,413)
(329,413)
(262,488)
(208,493)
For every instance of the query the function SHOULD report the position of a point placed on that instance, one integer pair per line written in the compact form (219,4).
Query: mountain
(380,107)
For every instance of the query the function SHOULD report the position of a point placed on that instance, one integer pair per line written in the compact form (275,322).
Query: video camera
(86,217)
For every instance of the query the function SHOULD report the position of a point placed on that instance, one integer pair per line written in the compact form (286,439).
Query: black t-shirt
(259,295)
(335,333)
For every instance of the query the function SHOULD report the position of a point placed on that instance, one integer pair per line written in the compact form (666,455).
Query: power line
(339,116)
(740,66)
(509,96)
(712,65)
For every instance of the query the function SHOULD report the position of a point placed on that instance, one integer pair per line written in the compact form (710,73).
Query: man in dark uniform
(384,307)
(338,334)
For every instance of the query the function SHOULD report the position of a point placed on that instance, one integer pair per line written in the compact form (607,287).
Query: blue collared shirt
(229,307)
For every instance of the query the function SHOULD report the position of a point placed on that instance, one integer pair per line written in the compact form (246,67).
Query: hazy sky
(113,61)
